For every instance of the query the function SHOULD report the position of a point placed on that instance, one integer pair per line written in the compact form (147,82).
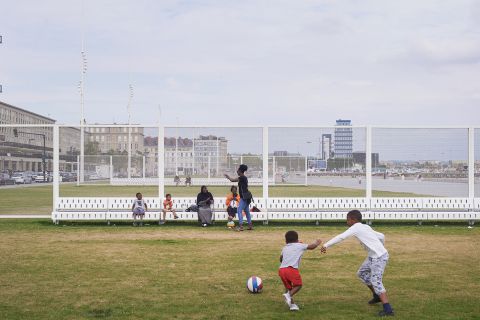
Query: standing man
(245,197)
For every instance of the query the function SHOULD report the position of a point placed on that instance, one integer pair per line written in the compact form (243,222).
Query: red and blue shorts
(290,277)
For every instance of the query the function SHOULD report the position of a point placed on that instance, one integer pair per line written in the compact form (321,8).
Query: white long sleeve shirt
(370,239)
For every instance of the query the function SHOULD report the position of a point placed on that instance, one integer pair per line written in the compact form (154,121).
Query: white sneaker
(294,307)
(288,299)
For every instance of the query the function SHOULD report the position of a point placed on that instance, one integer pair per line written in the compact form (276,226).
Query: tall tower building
(326,146)
(343,139)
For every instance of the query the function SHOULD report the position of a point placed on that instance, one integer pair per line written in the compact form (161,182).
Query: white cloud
(316,60)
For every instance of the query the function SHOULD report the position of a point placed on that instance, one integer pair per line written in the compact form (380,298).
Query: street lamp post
(176,149)
(81,87)
(306,164)
(44,154)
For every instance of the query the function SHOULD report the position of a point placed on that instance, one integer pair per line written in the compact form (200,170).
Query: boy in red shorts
(290,260)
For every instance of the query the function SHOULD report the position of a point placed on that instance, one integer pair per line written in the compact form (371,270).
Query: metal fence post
(208,168)
(161,161)
(274,169)
(306,171)
(265,163)
(368,164)
(78,171)
(143,170)
(471,163)
(56,169)
(111,169)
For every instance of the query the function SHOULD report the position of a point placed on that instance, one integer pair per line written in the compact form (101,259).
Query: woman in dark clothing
(204,203)
(245,197)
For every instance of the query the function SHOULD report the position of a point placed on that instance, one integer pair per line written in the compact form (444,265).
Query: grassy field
(180,271)
(38,199)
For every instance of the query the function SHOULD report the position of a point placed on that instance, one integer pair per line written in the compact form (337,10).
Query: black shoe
(375,300)
(386,314)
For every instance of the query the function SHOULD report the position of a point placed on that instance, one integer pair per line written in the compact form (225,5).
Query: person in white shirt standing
(371,271)
(290,261)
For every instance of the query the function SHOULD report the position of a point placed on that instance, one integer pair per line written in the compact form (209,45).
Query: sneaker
(288,299)
(386,314)
(250,227)
(161,222)
(240,228)
(375,299)
(176,217)
(204,225)
(294,307)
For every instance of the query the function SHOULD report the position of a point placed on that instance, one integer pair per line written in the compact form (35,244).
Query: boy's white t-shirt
(370,239)
(292,254)
(139,204)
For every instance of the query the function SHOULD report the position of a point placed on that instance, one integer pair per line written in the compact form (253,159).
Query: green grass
(180,271)
(38,200)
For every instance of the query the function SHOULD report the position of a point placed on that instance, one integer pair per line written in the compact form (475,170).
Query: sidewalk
(25,216)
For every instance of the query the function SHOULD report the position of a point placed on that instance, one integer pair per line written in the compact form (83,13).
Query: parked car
(39,177)
(67,177)
(22,178)
(5,179)
(94,177)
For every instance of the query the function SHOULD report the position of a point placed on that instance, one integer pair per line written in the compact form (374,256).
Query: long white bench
(80,209)
(337,208)
(120,209)
(424,209)
(117,209)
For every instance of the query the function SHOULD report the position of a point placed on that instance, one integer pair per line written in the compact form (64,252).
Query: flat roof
(30,112)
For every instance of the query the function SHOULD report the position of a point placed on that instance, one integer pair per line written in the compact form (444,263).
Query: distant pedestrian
(176,180)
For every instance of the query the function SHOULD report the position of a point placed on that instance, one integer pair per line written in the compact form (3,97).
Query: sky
(245,62)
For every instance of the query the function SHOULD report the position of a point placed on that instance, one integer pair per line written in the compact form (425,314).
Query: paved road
(433,188)
(32,185)
(25,216)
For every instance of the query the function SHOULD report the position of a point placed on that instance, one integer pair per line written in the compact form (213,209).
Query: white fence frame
(265,148)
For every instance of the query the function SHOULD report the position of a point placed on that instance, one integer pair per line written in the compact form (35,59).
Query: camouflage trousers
(371,272)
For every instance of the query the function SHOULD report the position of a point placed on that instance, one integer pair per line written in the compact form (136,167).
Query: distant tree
(92,148)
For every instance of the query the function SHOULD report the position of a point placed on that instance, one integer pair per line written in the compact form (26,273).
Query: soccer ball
(254,284)
(230,224)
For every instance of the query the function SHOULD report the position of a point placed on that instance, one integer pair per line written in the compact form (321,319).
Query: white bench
(80,209)
(121,209)
(293,209)
(337,208)
(397,209)
(115,209)
(447,204)
(343,204)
